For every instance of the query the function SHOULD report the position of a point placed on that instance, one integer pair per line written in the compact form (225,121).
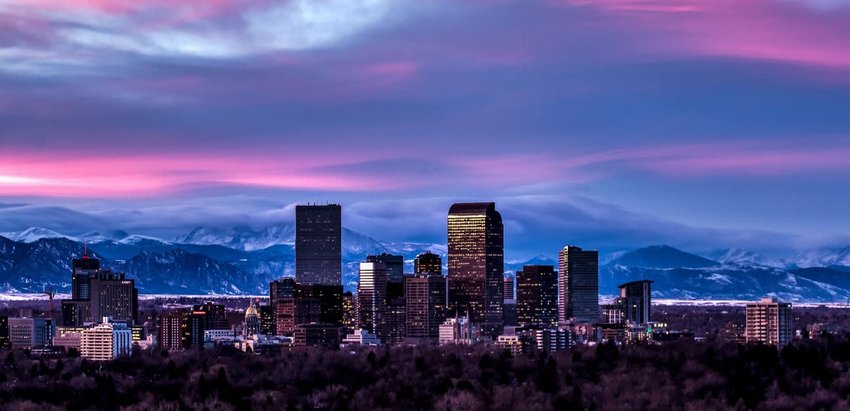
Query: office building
(426,306)
(195,330)
(28,332)
(578,285)
(508,288)
(476,264)
(428,262)
(394,264)
(318,303)
(215,315)
(457,330)
(552,339)
(83,269)
(316,335)
(537,296)
(267,326)
(115,297)
(173,331)
(768,322)
(105,341)
(509,313)
(76,313)
(371,298)
(318,244)
(282,300)
(361,337)
(636,298)
(349,311)
(68,338)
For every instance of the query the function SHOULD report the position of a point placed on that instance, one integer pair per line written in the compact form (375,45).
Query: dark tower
(428,262)
(537,296)
(477,264)
(318,244)
(578,280)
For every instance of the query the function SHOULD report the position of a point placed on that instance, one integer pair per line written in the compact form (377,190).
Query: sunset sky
(703,124)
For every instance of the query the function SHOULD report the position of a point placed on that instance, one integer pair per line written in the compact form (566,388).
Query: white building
(361,337)
(106,341)
(510,342)
(457,331)
(768,322)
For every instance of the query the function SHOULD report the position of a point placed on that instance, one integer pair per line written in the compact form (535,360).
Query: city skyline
(625,123)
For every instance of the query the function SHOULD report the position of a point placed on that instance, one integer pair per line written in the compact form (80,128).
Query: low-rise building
(106,341)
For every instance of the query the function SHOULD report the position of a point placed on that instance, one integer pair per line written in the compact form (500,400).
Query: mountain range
(243,260)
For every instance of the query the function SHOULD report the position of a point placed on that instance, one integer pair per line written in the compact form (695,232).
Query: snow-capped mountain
(244,260)
(241,238)
(741,256)
(827,257)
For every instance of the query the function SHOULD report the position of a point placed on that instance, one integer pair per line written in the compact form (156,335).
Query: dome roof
(251,311)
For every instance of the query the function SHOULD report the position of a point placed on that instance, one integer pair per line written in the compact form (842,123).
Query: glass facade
(318,244)
(579,285)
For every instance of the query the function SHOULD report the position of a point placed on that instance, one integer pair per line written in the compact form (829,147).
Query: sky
(609,124)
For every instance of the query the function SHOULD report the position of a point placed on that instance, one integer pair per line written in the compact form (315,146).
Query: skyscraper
(636,297)
(428,262)
(578,281)
(371,298)
(768,322)
(508,288)
(476,264)
(82,270)
(425,307)
(98,293)
(282,299)
(395,306)
(173,333)
(537,296)
(318,244)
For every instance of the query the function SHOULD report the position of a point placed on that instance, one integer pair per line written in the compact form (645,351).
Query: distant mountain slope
(662,256)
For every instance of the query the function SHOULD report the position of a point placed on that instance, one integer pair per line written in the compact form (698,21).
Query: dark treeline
(808,375)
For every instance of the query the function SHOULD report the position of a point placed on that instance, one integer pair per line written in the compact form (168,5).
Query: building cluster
(541,308)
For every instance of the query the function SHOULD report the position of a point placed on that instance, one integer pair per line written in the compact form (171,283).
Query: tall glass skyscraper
(476,263)
(578,280)
(537,296)
(318,244)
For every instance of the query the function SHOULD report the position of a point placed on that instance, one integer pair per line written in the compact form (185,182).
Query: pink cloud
(751,29)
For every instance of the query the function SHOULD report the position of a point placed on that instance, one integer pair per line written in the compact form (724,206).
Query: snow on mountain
(826,257)
(33,234)
(241,238)
(741,256)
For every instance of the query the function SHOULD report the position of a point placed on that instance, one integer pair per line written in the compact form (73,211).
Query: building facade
(578,282)
(428,262)
(105,341)
(768,322)
(426,304)
(318,244)
(537,296)
(476,264)
(371,299)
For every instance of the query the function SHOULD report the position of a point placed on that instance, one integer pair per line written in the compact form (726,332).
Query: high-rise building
(394,263)
(508,288)
(196,328)
(105,341)
(316,335)
(282,299)
(83,269)
(28,332)
(636,297)
(371,298)
(537,296)
(476,264)
(215,315)
(349,311)
(98,293)
(428,262)
(318,303)
(578,280)
(426,307)
(267,326)
(318,244)
(395,305)
(768,322)
(173,331)
(115,297)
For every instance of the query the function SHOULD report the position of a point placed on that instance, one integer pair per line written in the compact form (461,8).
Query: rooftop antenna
(85,250)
